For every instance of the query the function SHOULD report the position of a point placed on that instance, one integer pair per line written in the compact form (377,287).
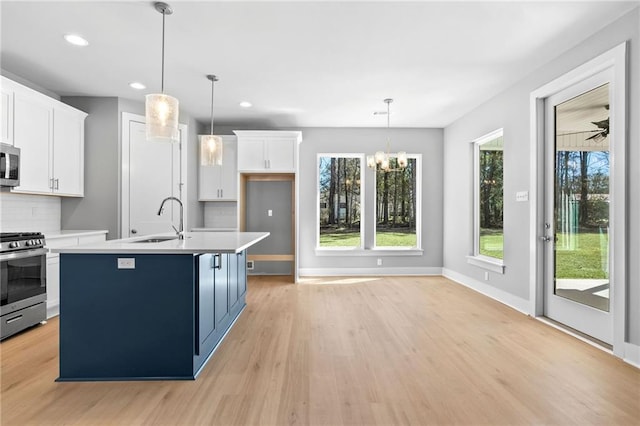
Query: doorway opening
(267,204)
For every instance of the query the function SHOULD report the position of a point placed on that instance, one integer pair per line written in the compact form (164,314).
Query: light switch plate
(126,263)
(522,196)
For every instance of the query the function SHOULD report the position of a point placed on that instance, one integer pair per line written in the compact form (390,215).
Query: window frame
(493,264)
(418,172)
(361,157)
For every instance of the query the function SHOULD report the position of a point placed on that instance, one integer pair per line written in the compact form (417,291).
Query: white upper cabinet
(50,135)
(32,134)
(220,183)
(68,151)
(6,112)
(268,151)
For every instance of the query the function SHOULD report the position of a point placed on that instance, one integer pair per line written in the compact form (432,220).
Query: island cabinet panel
(221,271)
(123,324)
(242,273)
(233,283)
(145,316)
(206,330)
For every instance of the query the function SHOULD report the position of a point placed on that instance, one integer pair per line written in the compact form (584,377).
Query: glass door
(577,206)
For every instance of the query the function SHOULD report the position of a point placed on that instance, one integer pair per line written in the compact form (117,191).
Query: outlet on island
(379,262)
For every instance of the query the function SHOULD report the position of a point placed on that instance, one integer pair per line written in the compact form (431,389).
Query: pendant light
(161,110)
(380,158)
(211,145)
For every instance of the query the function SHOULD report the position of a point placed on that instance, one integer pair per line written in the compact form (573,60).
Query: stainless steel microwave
(9,165)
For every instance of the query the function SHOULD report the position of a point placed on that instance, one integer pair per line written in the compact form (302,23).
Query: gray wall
(100,207)
(427,142)
(510,110)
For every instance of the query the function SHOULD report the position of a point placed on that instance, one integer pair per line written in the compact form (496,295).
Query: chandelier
(381,160)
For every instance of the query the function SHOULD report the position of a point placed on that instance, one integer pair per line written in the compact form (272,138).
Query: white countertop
(64,233)
(213,229)
(194,242)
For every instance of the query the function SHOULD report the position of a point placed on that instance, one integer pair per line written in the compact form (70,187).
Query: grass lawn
(581,259)
(352,239)
(584,259)
(491,243)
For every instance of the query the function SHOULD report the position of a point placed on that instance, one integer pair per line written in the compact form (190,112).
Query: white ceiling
(301,64)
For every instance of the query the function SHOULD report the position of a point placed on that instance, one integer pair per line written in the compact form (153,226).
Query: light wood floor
(414,350)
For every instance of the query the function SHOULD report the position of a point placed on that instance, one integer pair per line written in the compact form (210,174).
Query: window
(339,214)
(489,196)
(397,205)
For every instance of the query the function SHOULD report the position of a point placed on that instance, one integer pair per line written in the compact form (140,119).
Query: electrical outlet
(486,276)
(269,212)
(379,262)
(250,264)
(126,263)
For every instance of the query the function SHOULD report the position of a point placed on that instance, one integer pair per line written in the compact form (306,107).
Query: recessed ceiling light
(76,40)
(137,85)
(245,104)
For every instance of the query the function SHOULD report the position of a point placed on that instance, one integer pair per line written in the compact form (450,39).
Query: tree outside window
(397,205)
(339,179)
(490,196)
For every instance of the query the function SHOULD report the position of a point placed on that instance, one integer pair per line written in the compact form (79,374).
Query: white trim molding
(615,60)
(515,302)
(632,354)
(488,263)
(347,272)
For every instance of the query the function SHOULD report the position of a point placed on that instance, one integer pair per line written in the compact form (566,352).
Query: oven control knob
(30,243)
(14,244)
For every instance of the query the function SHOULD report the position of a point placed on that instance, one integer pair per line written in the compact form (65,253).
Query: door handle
(134,231)
(546,239)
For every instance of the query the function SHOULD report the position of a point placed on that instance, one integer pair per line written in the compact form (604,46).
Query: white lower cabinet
(53,264)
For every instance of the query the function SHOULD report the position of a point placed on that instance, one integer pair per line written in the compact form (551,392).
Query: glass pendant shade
(161,114)
(402,159)
(384,165)
(371,162)
(379,157)
(210,150)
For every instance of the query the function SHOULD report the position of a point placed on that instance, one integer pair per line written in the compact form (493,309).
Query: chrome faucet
(180,232)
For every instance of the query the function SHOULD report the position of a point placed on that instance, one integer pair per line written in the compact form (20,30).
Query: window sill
(493,265)
(379,251)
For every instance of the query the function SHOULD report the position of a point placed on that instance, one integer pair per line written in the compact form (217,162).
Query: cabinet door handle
(51,183)
(14,319)
(221,193)
(217,261)
(57,184)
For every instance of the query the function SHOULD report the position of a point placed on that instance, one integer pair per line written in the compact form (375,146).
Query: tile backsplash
(220,214)
(29,213)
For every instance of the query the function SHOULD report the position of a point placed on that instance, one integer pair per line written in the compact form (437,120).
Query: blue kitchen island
(149,308)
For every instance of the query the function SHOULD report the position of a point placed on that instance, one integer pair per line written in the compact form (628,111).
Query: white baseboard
(53,310)
(632,354)
(342,272)
(501,296)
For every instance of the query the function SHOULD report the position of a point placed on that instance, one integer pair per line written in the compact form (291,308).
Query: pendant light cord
(162,74)
(212,84)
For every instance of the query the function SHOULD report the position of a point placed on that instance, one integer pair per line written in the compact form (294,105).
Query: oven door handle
(23,254)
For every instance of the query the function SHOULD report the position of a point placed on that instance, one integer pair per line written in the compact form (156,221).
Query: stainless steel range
(23,259)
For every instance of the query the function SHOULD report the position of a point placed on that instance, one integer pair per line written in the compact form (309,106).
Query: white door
(154,173)
(577,207)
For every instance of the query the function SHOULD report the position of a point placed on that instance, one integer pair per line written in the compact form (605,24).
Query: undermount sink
(156,239)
